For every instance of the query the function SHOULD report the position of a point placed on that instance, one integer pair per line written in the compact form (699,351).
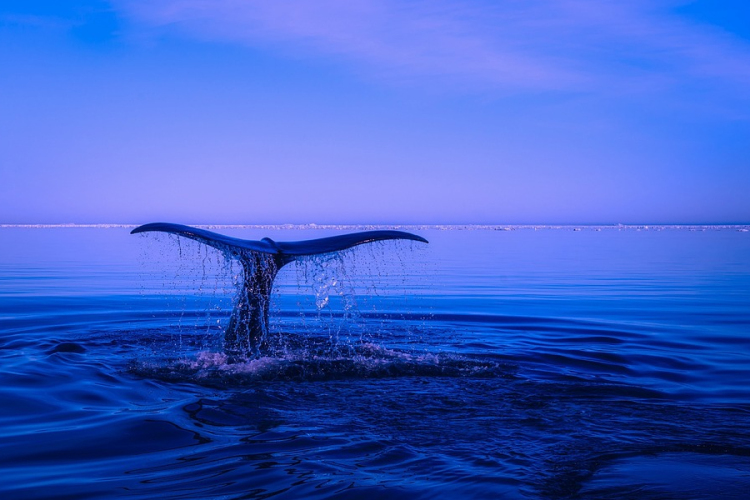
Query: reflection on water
(544,363)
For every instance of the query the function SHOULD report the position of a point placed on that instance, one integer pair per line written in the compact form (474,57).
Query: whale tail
(261,261)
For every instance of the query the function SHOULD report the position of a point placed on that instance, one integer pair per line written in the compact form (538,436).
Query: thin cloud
(38,22)
(566,45)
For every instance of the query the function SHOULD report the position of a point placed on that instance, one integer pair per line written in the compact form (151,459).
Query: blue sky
(375,111)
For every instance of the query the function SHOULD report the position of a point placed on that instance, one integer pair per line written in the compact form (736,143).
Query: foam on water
(366,362)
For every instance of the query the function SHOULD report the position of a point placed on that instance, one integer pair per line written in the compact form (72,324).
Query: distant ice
(744,228)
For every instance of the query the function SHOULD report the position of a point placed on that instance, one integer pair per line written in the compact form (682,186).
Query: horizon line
(313,225)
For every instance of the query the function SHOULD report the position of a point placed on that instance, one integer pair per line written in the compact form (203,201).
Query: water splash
(330,291)
(365,361)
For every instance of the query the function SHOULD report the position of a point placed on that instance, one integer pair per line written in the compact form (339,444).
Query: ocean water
(528,363)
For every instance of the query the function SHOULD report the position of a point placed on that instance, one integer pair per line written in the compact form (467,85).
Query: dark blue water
(523,364)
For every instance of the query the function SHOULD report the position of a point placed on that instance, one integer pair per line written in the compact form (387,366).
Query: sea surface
(516,362)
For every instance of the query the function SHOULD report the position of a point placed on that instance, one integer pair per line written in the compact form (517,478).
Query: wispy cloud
(35,21)
(569,45)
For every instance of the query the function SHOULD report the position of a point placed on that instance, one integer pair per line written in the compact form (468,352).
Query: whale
(261,260)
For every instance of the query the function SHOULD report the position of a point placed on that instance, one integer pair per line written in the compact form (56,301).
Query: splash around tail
(261,261)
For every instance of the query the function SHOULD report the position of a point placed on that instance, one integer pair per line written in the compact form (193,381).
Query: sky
(375,111)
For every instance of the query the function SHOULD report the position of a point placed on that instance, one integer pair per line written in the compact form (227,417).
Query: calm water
(523,364)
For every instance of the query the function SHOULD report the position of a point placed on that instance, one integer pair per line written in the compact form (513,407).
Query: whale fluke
(261,261)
